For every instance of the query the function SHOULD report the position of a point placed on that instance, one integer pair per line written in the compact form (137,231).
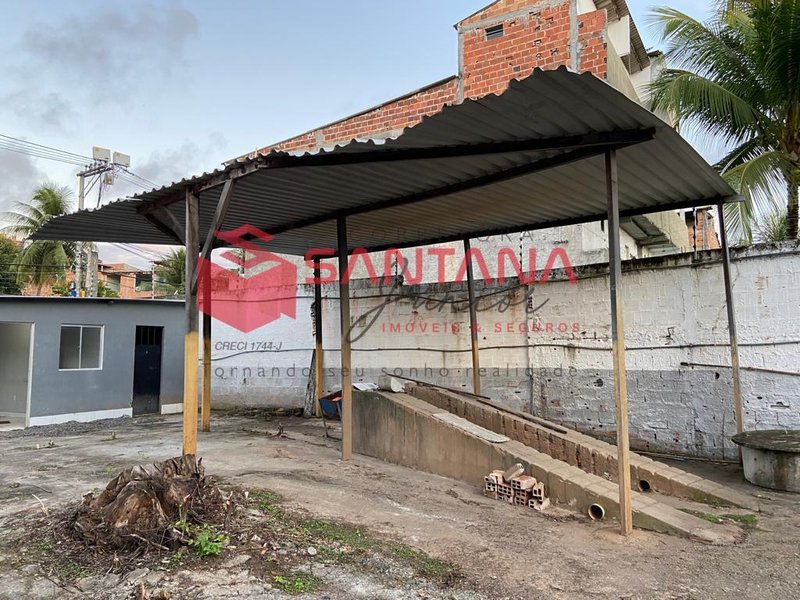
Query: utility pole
(101,170)
(79,245)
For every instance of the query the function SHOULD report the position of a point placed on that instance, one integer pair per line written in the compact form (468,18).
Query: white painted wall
(674,314)
(586,6)
(619,34)
(15,341)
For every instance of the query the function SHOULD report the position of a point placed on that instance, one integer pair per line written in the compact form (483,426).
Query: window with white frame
(81,347)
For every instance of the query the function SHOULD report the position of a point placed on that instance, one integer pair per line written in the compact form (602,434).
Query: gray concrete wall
(14,363)
(55,392)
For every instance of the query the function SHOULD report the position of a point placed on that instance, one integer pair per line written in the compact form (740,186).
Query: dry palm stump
(138,509)
(513,487)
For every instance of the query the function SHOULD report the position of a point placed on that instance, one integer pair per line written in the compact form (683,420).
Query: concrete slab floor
(11,423)
(531,555)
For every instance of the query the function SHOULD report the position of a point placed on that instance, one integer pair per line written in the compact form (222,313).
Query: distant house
(126,280)
(64,359)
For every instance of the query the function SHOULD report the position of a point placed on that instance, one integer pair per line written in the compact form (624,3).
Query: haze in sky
(183,86)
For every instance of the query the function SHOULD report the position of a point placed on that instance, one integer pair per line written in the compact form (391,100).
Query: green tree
(170,277)
(9,258)
(104,291)
(737,77)
(41,262)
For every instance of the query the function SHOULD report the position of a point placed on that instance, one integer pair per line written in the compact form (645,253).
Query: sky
(182,86)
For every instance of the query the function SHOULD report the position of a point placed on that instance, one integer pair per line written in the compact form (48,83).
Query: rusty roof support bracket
(166,222)
(219,219)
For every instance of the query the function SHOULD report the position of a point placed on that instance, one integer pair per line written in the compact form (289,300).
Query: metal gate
(147,370)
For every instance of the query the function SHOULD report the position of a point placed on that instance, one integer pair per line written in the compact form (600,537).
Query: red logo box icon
(265,291)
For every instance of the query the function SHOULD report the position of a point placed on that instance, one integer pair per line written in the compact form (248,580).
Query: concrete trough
(771,458)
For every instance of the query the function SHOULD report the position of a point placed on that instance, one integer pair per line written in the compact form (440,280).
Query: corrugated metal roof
(659,174)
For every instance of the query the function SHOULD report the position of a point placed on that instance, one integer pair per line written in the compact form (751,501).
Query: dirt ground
(503,551)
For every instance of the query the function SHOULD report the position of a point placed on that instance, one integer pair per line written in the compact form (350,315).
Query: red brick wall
(702,235)
(388,117)
(497,9)
(592,41)
(539,38)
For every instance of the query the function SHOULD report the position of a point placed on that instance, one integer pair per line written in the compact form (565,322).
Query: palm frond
(773,227)
(742,153)
(711,50)
(762,183)
(706,104)
(41,261)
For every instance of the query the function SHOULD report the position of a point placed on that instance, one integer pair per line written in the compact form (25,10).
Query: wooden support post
(618,346)
(473,321)
(205,410)
(191,350)
(734,344)
(344,322)
(318,363)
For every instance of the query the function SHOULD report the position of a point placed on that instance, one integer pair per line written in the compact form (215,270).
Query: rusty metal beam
(319,361)
(344,323)
(166,222)
(219,219)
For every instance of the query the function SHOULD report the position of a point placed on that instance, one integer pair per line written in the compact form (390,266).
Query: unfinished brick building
(507,40)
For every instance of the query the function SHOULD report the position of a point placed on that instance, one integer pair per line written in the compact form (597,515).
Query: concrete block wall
(589,454)
(402,429)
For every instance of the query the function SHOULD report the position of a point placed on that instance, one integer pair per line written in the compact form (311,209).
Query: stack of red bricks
(513,487)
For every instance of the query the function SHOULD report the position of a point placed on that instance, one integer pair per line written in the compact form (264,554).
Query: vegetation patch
(749,521)
(298,583)
(428,566)
(255,531)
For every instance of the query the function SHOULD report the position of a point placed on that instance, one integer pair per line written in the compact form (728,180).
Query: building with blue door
(82,359)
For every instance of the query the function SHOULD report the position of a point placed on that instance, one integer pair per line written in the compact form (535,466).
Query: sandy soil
(505,552)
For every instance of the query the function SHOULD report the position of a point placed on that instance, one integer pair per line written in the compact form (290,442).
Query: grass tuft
(297,583)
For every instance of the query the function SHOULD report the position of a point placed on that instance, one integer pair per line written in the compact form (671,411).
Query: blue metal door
(147,370)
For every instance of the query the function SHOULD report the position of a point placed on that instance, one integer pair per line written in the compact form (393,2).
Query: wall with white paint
(15,343)
(545,347)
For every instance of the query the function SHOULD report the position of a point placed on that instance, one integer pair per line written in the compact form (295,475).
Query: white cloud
(113,52)
(19,176)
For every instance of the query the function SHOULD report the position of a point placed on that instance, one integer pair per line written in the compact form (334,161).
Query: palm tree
(170,273)
(9,259)
(737,77)
(772,228)
(41,262)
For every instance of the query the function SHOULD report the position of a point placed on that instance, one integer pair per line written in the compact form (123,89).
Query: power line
(141,253)
(41,155)
(139,177)
(43,147)
(20,146)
